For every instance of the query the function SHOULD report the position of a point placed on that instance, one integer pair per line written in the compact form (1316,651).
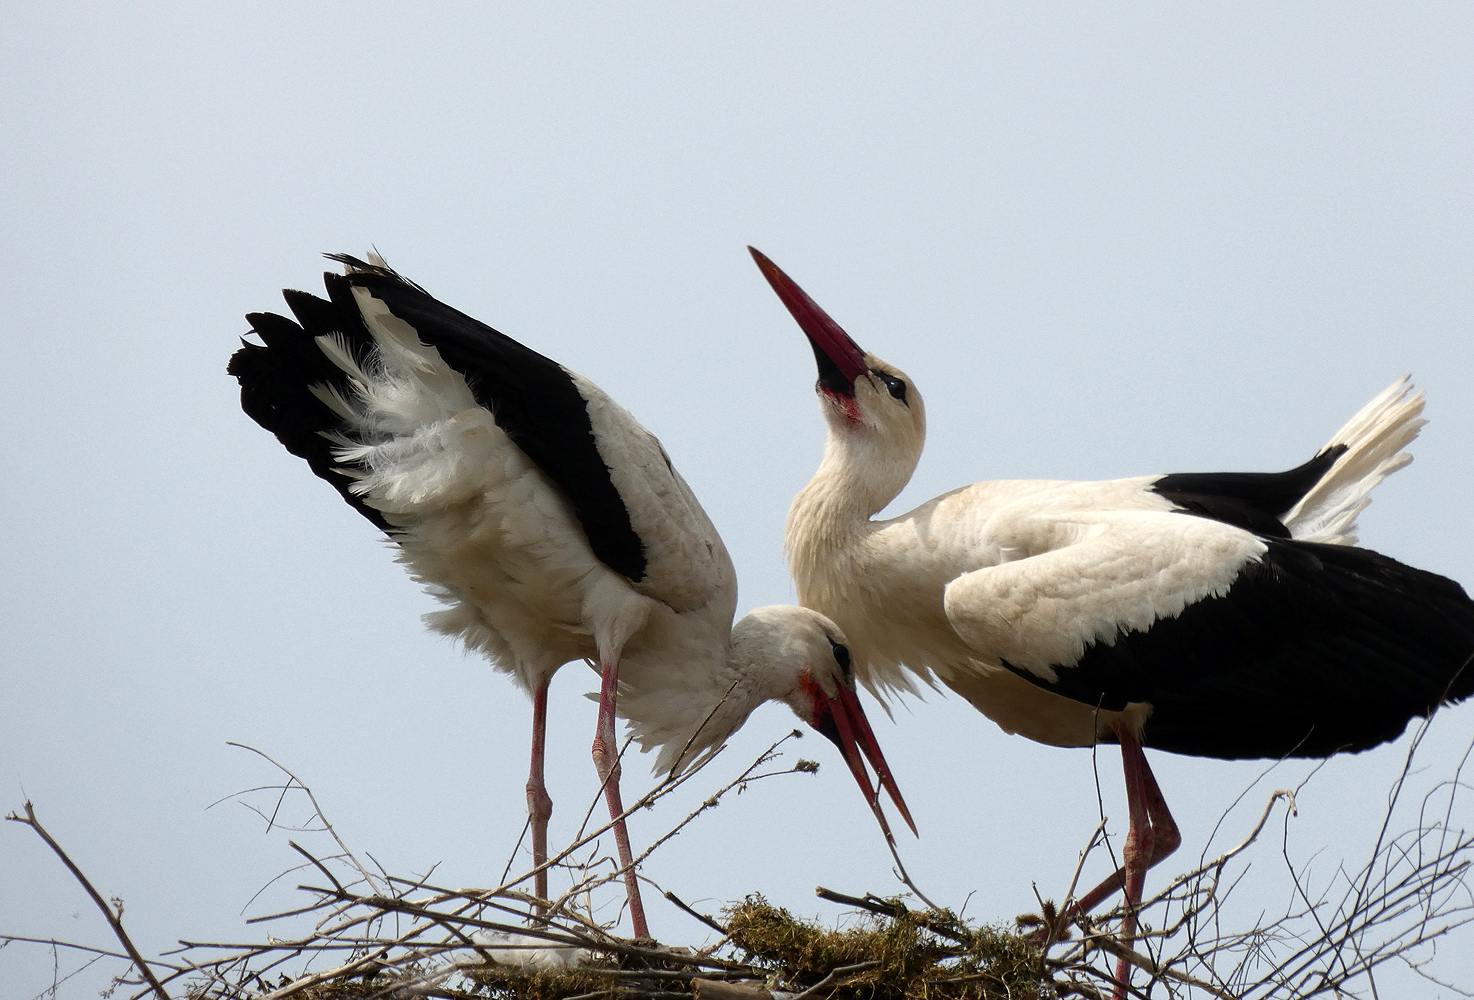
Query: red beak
(843,722)
(840,359)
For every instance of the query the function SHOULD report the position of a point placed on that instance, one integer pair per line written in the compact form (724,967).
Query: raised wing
(535,400)
(380,362)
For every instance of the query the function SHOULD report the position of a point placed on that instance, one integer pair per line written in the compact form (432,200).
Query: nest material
(909,955)
(371,934)
(905,956)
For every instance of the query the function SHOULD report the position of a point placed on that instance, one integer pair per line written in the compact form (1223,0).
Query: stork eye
(841,656)
(896,387)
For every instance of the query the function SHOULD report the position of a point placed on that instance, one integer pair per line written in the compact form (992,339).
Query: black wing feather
(1254,501)
(532,398)
(276,377)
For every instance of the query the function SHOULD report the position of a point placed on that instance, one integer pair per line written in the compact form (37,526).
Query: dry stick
(714,800)
(316,864)
(397,905)
(512,858)
(708,921)
(350,968)
(1214,867)
(356,967)
(901,870)
(115,922)
(661,791)
(892,908)
(274,879)
(486,899)
(687,748)
(53,942)
(834,974)
(294,912)
(1357,922)
(716,989)
(324,940)
(650,798)
(323,975)
(483,901)
(1363,882)
(1394,900)
(316,808)
(1393,798)
(1052,928)
(1227,856)
(1096,837)
(571,938)
(1157,970)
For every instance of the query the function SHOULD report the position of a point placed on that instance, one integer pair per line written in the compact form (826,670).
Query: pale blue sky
(1104,240)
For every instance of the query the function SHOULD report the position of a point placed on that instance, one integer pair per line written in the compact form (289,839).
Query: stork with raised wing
(1222,615)
(551,525)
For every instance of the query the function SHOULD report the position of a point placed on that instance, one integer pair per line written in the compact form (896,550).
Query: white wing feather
(1089,579)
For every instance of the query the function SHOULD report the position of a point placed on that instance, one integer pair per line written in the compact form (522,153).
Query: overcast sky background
(1105,240)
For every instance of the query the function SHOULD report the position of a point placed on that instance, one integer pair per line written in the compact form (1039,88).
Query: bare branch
(115,921)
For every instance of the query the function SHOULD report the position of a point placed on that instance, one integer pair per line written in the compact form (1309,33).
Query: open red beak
(840,359)
(846,727)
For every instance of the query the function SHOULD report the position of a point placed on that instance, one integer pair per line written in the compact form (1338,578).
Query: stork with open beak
(550,524)
(1221,614)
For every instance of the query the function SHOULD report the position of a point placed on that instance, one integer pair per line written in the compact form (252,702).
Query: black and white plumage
(1225,615)
(547,520)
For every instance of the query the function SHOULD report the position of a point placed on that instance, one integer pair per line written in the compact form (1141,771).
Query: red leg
(606,759)
(1140,846)
(1158,838)
(1151,836)
(539,806)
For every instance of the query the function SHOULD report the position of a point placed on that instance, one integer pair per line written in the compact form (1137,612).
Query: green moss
(932,956)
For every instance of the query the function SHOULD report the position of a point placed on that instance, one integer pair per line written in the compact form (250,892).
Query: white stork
(551,525)
(1222,614)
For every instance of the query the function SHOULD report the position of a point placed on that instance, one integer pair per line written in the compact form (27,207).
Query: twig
(315,807)
(892,908)
(835,974)
(55,943)
(708,921)
(114,921)
(905,878)
(1157,970)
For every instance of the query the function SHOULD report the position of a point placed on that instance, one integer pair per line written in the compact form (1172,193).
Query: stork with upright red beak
(550,524)
(1221,614)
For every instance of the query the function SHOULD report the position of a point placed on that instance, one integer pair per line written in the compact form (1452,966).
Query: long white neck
(863,470)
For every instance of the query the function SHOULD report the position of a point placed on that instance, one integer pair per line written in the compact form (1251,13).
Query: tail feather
(1374,440)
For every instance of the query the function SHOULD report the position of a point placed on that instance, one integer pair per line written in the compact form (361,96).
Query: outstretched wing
(535,400)
(410,360)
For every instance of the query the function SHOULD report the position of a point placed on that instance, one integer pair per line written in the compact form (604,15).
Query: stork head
(875,415)
(798,656)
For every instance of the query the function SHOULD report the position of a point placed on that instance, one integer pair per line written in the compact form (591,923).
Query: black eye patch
(841,656)
(893,385)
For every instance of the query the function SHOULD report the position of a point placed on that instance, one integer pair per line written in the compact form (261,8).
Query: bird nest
(360,933)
